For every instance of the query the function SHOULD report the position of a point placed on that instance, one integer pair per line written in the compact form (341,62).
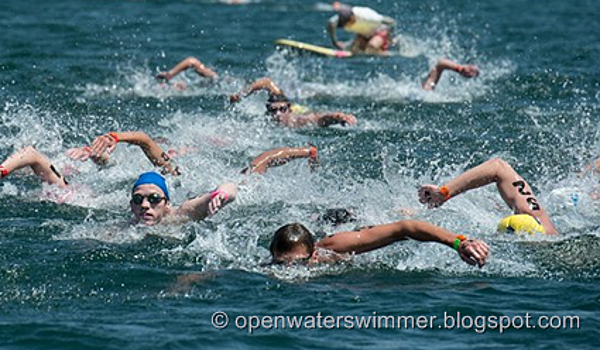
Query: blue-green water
(72,278)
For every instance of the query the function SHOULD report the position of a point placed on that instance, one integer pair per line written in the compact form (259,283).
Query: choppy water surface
(72,277)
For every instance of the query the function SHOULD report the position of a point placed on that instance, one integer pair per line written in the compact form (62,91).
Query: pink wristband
(218,192)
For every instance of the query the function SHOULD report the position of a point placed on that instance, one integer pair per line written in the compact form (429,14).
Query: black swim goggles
(153,198)
(281,109)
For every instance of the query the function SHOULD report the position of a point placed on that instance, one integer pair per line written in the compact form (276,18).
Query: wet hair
(288,237)
(274,98)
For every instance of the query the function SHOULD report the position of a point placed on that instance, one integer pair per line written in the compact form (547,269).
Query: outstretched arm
(467,71)
(107,143)
(190,62)
(38,162)
(332,32)
(261,84)
(281,156)
(208,204)
(319,119)
(473,252)
(515,191)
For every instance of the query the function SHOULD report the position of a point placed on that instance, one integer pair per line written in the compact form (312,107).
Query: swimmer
(467,71)
(190,62)
(530,215)
(285,113)
(151,203)
(150,200)
(294,243)
(373,31)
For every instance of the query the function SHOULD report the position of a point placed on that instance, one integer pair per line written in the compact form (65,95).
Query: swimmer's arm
(280,156)
(38,162)
(375,237)
(331,31)
(156,155)
(443,64)
(331,118)
(208,204)
(261,84)
(189,62)
(493,170)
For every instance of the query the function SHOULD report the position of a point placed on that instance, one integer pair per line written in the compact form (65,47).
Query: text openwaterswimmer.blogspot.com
(479,324)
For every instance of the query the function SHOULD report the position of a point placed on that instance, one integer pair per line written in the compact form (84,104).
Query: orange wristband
(445,192)
(312,152)
(457,241)
(114,136)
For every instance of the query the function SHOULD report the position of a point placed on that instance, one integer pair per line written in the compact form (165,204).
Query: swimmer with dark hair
(294,243)
(285,113)
(529,214)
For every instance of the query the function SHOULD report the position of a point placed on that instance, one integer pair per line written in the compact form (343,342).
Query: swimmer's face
(299,254)
(149,204)
(276,109)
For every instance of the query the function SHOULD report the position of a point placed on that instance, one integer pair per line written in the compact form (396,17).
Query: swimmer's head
(150,200)
(292,243)
(345,16)
(278,104)
(520,223)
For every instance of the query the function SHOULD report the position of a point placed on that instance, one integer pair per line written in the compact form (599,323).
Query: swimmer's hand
(431,195)
(218,199)
(102,144)
(79,153)
(163,77)
(235,98)
(474,252)
(468,71)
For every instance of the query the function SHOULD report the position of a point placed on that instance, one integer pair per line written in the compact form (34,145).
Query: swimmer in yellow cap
(529,216)
(289,114)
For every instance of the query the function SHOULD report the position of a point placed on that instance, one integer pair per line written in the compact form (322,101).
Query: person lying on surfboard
(467,71)
(285,113)
(190,62)
(373,31)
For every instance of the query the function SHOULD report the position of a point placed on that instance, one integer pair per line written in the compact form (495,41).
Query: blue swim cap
(152,178)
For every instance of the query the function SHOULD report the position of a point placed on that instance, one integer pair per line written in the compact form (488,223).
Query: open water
(71,277)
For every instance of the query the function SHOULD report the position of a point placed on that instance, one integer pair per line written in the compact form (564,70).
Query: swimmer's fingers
(429,194)
(214,205)
(101,144)
(79,153)
(474,252)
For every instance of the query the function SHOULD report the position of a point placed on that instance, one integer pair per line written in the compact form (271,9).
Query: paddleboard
(319,50)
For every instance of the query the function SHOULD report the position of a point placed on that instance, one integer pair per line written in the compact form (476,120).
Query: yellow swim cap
(299,109)
(520,223)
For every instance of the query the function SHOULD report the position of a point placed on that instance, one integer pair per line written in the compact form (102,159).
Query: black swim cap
(274,98)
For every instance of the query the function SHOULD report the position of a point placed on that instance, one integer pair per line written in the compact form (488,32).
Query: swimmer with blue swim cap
(151,202)
(529,216)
